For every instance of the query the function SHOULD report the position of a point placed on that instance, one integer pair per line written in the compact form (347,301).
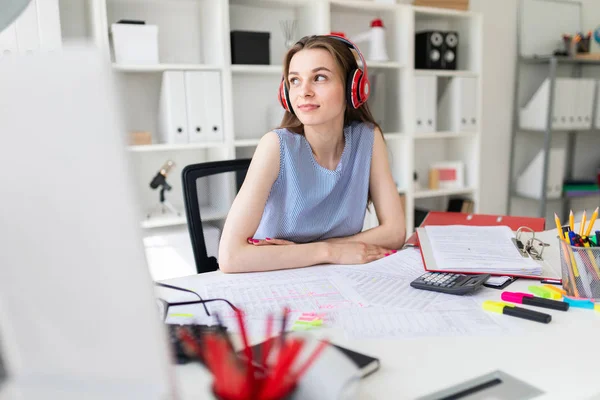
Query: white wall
(500,50)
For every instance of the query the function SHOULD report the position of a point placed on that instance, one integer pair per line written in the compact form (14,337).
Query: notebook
(482,249)
(366,364)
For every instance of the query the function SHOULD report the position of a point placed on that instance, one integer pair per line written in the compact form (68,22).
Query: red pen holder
(580,270)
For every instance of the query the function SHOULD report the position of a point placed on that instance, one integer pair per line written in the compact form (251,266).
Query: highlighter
(544,292)
(508,309)
(581,303)
(531,300)
(555,289)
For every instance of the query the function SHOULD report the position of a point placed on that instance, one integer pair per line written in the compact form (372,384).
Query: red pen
(529,299)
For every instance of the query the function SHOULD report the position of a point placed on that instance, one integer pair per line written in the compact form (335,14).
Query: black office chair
(190,176)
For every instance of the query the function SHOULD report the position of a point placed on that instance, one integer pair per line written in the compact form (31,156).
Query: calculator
(448,282)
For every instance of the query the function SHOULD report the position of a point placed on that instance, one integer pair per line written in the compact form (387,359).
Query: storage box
(140,138)
(135,43)
(454,4)
(250,47)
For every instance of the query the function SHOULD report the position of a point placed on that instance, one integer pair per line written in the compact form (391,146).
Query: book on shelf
(580,188)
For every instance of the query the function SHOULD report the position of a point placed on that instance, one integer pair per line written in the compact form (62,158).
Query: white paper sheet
(383,323)
(478,248)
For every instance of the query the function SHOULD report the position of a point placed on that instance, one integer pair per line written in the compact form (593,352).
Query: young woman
(305,195)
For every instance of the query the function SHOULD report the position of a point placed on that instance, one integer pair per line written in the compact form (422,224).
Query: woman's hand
(357,252)
(268,241)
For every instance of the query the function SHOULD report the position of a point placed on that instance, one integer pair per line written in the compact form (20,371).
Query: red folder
(454,218)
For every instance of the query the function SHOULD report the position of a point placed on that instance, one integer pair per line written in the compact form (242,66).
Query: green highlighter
(546,293)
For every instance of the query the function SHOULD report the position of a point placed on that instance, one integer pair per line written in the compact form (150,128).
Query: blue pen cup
(580,270)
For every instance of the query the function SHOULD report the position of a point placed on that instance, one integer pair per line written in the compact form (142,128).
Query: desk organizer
(580,270)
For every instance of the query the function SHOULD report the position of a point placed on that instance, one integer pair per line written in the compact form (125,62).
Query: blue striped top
(310,203)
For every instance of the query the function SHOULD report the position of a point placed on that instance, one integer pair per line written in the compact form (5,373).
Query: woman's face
(316,87)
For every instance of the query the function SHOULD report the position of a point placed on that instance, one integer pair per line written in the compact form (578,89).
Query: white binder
(8,41)
(458,110)
(572,109)
(213,104)
(28,38)
(49,24)
(172,120)
(204,106)
(585,103)
(425,104)
(529,183)
(195,93)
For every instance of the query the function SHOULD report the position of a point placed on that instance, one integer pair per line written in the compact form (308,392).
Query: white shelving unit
(194,36)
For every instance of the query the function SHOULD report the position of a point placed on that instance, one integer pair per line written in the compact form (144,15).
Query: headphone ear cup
(353,88)
(284,97)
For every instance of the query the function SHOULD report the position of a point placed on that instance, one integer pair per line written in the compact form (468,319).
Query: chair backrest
(190,176)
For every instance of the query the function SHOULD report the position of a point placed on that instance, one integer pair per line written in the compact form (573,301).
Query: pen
(591,223)
(508,309)
(552,281)
(531,300)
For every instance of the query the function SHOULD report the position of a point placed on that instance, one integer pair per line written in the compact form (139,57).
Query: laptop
(77,312)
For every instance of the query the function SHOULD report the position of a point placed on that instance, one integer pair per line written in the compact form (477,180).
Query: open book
(483,249)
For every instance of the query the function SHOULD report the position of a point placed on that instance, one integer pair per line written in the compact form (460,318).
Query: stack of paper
(486,249)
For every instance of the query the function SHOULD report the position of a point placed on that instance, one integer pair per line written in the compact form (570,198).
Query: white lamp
(10,10)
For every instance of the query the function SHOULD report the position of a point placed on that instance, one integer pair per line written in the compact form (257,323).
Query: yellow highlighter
(501,307)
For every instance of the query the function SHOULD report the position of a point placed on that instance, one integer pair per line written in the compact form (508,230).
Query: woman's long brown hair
(346,61)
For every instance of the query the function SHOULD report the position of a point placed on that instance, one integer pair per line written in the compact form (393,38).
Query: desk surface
(560,358)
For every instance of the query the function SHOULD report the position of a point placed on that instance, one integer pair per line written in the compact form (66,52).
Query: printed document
(478,248)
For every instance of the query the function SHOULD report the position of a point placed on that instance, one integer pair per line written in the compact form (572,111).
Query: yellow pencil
(571,221)
(582,224)
(591,223)
(558,225)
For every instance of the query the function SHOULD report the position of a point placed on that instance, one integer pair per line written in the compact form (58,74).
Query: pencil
(581,228)
(591,223)
(558,225)
(571,221)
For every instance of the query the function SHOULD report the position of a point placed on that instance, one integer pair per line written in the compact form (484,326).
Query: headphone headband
(351,44)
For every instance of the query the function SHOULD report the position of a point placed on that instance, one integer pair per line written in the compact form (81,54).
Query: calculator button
(451,284)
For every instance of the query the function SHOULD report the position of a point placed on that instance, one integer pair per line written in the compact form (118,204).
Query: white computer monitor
(77,312)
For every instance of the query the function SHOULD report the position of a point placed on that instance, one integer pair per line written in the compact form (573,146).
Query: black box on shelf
(248,47)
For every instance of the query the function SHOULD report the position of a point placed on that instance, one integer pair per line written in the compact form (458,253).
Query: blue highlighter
(581,303)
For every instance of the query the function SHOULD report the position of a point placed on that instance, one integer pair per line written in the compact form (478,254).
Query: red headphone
(357,83)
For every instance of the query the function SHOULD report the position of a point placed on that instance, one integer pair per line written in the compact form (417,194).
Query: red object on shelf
(377,22)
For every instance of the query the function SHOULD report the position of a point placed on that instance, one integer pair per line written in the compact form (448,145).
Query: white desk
(560,358)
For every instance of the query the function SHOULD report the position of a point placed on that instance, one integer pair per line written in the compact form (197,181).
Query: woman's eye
(294,81)
(320,78)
